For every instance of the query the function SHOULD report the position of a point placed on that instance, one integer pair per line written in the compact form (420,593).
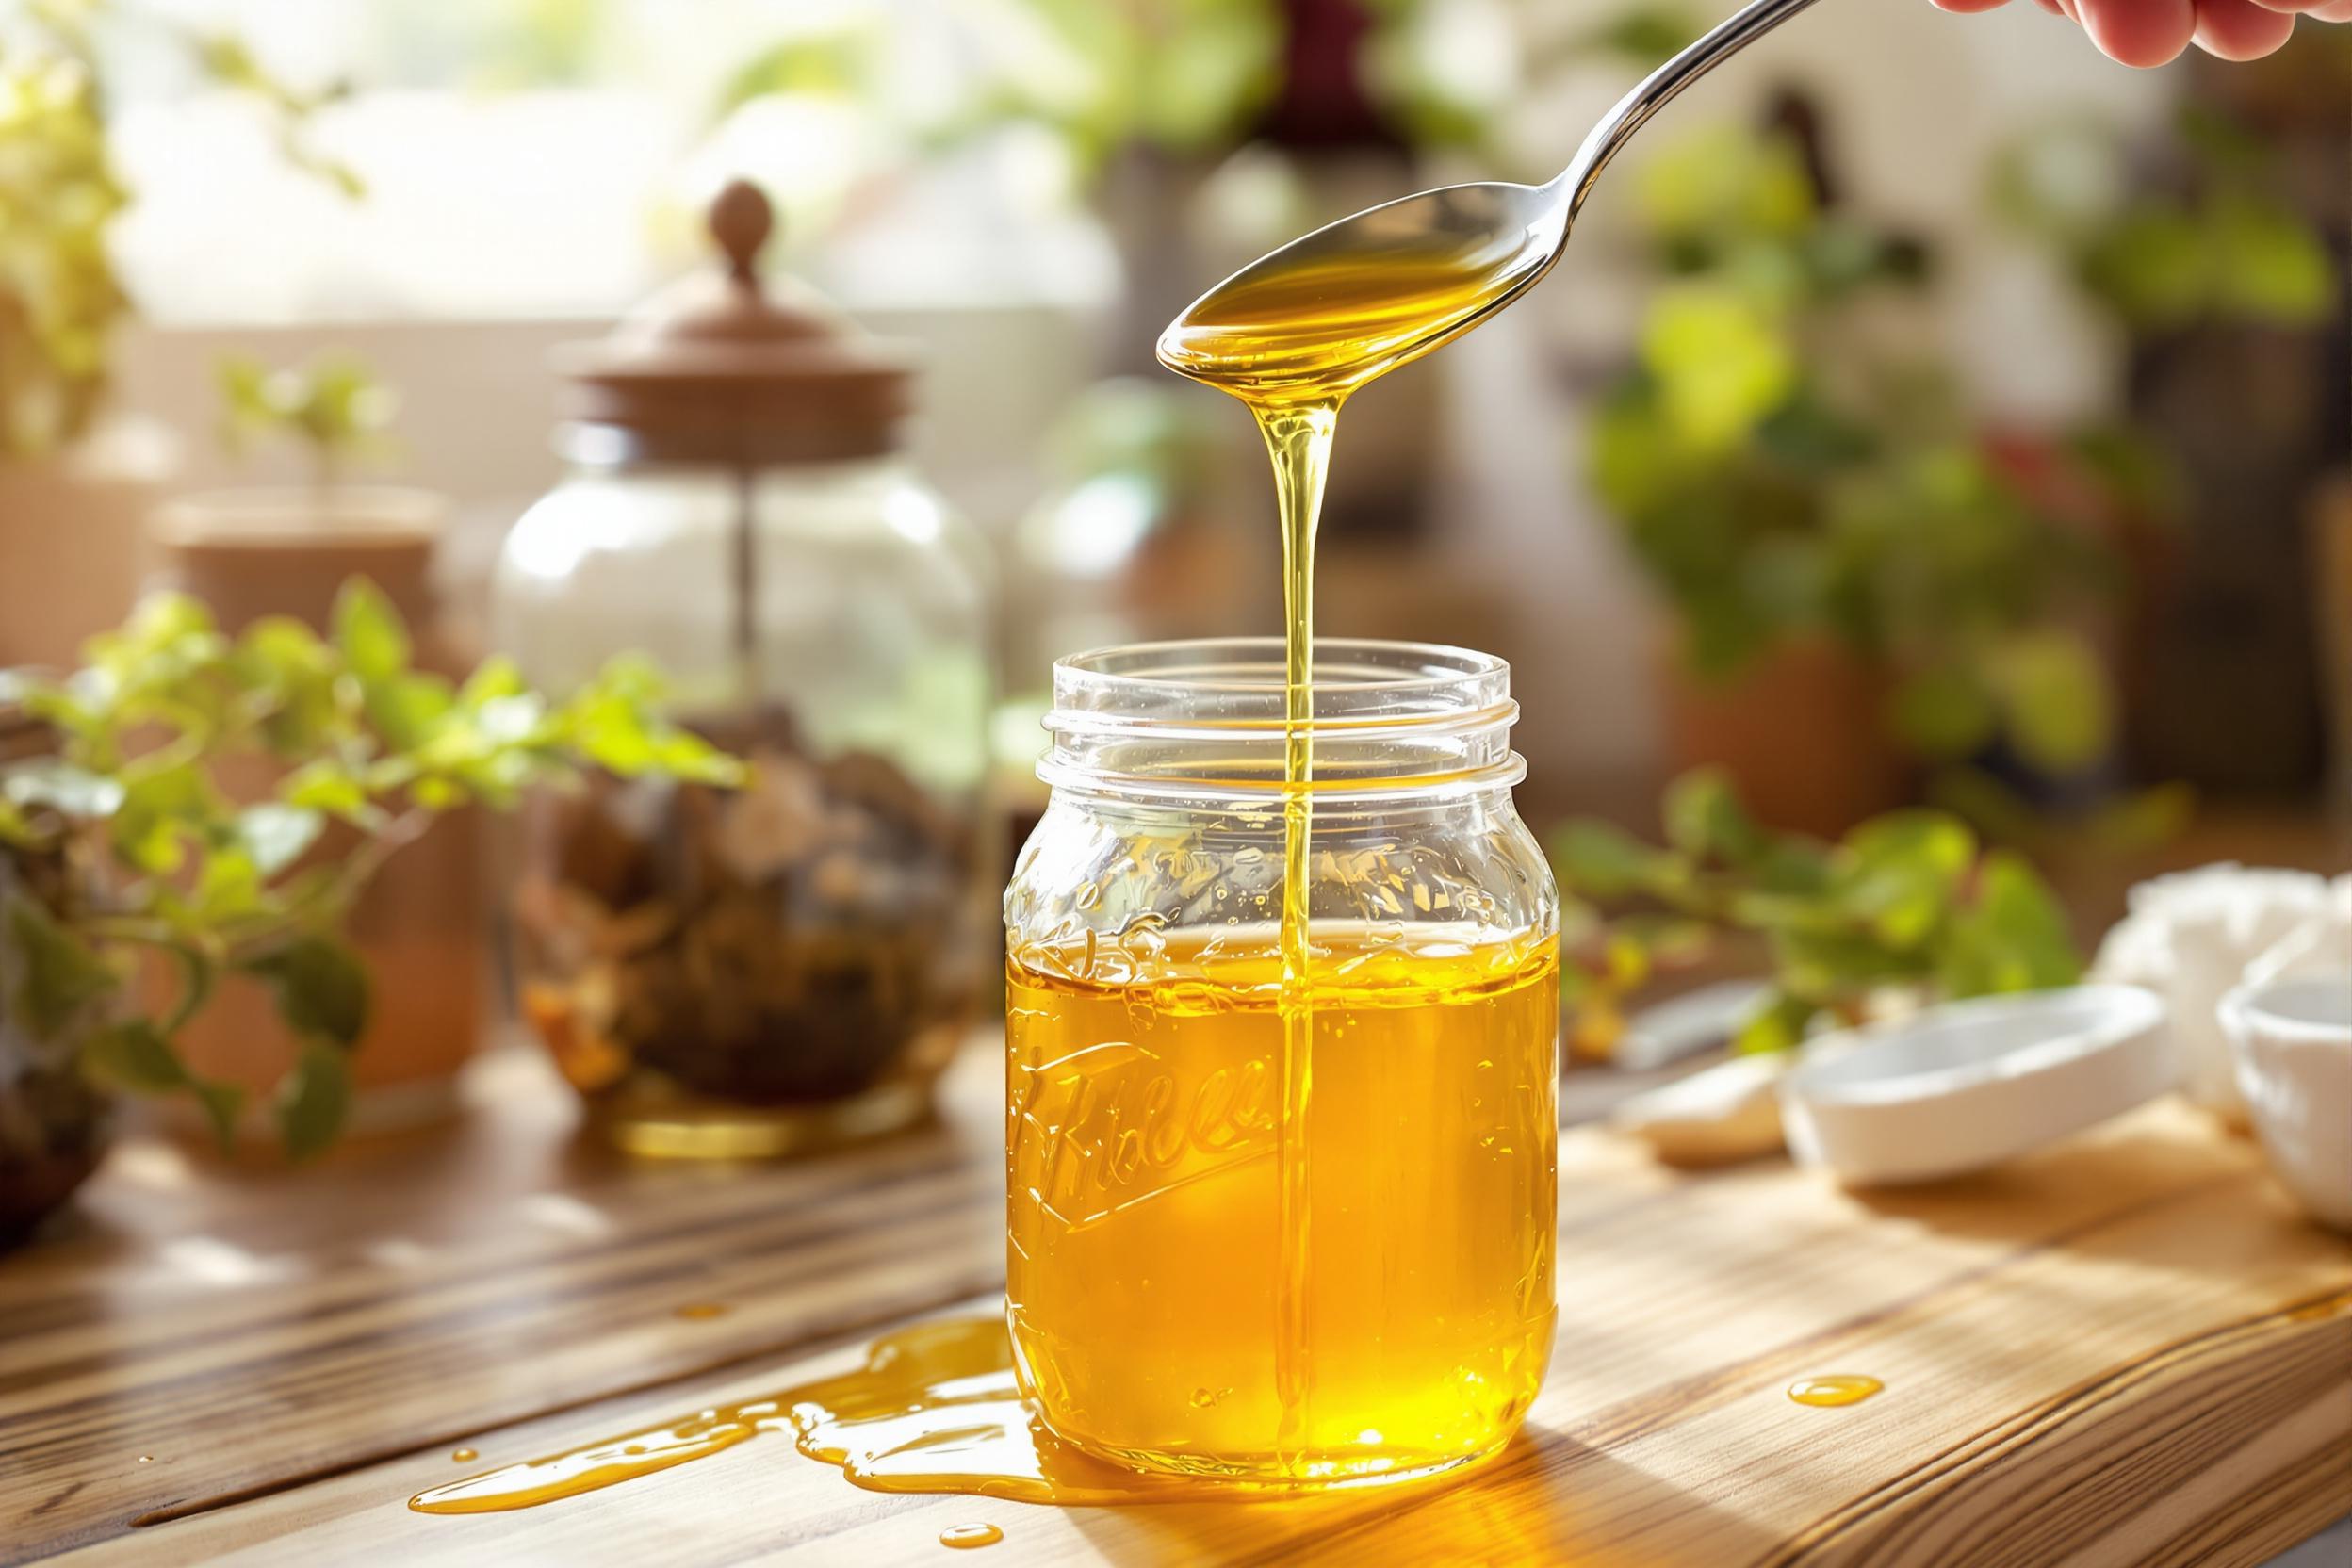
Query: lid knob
(740,221)
(721,367)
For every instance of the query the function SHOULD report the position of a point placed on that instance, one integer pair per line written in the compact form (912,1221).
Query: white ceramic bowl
(2292,1040)
(1966,1084)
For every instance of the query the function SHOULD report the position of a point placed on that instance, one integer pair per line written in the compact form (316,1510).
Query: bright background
(2087,322)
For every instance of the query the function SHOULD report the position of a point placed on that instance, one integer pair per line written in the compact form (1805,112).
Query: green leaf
(1778,1023)
(435,793)
(1903,872)
(1599,859)
(1826,965)
(495,680)
(2152,266)
(328,785)
(1705,819)
(221,1103)
(276,836)
(1944,712)
(2054,694)
(2015,937)
(682,754)
(836,64)
(134,1055)
(228,888)
(2269,266)
(315,1099)
(1673,938)
(62,974)
(406,708)
(369,632)
(162,809)
(321,987)
(293,673)
(1722,364)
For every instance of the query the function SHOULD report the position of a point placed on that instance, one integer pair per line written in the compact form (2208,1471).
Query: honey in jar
(1216,1269)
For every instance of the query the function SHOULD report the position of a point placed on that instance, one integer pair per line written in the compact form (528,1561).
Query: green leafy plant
(335,408)
(1907,902)
(60,299)
(1788,460)
(2215,238)
(368,748)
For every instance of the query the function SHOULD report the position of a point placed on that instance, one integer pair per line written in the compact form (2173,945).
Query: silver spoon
(1363,296)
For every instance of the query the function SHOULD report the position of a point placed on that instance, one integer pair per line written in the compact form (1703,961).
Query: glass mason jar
(762,971)
(1245,1249)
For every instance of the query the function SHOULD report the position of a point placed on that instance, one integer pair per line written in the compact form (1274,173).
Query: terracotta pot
(421,927)
(52,1129)
(1802,730)
(70,540)
(52,1124)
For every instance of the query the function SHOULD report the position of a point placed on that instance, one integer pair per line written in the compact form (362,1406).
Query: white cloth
(2196,936)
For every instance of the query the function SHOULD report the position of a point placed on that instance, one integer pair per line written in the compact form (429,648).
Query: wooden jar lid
(722,368)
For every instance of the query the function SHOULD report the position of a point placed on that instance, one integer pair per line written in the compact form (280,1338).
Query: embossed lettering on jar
(1147,1111)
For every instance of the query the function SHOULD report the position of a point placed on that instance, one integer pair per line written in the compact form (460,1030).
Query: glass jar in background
(1170,1308)
(763,971)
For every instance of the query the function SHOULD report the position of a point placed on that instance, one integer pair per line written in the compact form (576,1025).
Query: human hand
(2150,32)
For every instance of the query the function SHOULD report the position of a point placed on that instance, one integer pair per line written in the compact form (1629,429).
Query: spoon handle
(1633,111)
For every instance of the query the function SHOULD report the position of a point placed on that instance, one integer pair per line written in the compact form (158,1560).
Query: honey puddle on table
(1844,1388)
(965,1538)
(935,1408)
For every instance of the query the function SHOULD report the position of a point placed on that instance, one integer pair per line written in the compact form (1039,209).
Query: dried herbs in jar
(801,940)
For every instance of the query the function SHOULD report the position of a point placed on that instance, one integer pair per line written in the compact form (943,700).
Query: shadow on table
(1547,1499)
(2100,1180)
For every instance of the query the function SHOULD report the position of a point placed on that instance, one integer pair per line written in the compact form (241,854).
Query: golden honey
(1312,330)
(1151,1236)
(1836,1391)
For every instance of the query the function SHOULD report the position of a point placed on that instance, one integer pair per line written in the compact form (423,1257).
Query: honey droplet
(146,1459)
(464,1456)
(965,1538)
(1844,1388)
(701,1312)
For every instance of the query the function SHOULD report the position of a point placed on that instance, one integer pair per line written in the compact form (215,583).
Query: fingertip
(2141,33)
(2240,29)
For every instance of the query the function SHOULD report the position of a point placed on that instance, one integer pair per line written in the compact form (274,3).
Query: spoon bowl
(1370,292)
(1355,299)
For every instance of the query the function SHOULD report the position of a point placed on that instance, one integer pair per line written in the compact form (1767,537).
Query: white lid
(1967,1084)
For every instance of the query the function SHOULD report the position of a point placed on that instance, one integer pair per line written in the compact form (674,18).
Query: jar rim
(1389,717)
(1352,675)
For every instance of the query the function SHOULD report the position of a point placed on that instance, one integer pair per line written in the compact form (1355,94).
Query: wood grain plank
(2129,1349)
(417,1290)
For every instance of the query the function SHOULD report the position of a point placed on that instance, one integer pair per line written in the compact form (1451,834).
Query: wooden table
(2129,1349)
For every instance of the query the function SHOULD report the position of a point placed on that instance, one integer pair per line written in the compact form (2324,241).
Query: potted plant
(73,481)
(122,845)
(1906,908)
(285,550)
(1865,582)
